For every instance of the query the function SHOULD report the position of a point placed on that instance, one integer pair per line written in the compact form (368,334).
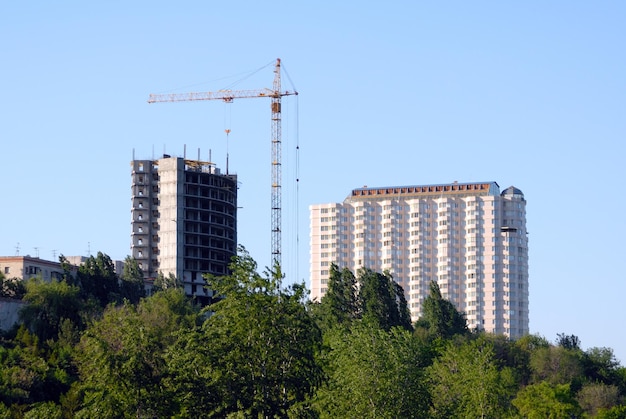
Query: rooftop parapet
(421,191)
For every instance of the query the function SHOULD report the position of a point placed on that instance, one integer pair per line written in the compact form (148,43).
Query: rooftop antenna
(88,249)
(54,251)
(36,252)
(17,249)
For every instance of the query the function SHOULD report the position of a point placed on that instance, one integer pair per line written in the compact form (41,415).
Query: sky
(530,94)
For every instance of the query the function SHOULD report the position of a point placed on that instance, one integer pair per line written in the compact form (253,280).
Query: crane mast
(275,94)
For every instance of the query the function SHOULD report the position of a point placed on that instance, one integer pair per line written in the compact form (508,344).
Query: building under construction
(184,220)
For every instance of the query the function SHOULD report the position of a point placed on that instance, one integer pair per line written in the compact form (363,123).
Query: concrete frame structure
(184,220)
(468,237)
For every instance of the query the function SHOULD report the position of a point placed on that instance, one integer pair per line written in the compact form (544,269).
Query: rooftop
(455,188)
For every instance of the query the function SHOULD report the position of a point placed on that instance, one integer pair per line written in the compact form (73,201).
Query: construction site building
(183,221)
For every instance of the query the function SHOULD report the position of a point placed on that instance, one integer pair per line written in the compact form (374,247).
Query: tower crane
(275,94)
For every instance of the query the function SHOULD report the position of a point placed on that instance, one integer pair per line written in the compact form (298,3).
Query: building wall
(469,238)
(9,312)
(144,225)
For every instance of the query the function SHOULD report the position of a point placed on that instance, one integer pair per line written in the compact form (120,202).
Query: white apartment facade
(469,237)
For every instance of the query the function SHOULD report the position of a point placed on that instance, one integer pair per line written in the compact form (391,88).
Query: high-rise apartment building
(469,237)
(184,220)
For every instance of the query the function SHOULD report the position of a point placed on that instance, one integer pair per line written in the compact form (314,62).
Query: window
(7,269)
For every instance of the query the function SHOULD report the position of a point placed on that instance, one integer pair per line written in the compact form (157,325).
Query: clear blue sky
(530,94)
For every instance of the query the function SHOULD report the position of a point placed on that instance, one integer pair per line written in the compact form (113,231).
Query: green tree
(49,304)
(121,357)
(191,377)
(616,412)
(97,279)
(381,300)
(132,286)
(47,410)
(593,397)
(262,343)
(373,373)
(440,316)
(162,282)
(466,381)
(69,271)
(544,401)
(557,365)
(339,307)
(26,374)
(568,341)
(600,365)
(377,299)
(11,287)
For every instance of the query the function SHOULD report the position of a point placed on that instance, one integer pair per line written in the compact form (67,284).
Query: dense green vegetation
(92,345)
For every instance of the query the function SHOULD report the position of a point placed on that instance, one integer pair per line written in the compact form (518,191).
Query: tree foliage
(571,342)
(372,297)
(467,381)
(593,397)
(374,373)
(556,365)
(121,357)
(11,287)
(97,279)
(546,401)
(132,286)
(339,306)
(440,316)
(92,346)
(49,304)
(381,300)
(262,342)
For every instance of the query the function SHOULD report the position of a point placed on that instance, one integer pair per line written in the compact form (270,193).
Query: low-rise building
(26,267)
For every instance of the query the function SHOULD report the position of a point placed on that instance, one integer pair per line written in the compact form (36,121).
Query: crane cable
(227,122)
(297,177)
(297,188)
